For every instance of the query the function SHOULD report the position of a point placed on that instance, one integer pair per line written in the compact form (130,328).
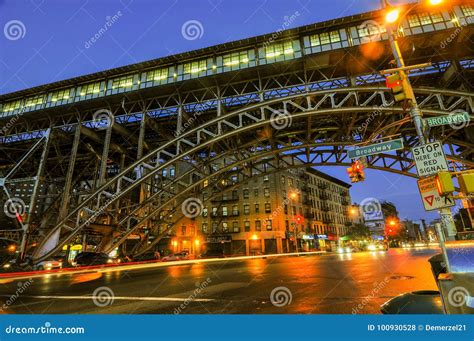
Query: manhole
(401,277)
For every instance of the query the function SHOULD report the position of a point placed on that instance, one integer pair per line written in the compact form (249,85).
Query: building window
(467,10)
(60,95)
(255,193)
(235,210)
(278,49)
(122,82)
(33,101)
(290,182)
(258,225)
(10,106)
(246,209)
(235,227)
(257,208)
(235,195)
(247,226)
(246,193)
(224,211)
(282,178)
(265,178)
(285,208)
(183,230)
(204,228)
(293,210)
(214,227)
(156,75)
(287,225)
(172,172)
(214,211)
(235,58)
(88,89)
(225,227)
(206,183)
(268,208)
(204,212)
(195,67)
(266,192)
(269,225)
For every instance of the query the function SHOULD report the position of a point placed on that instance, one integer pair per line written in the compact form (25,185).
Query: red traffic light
(299,219)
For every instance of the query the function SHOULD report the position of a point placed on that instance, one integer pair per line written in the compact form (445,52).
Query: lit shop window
(278,49)
(122,82)
(60,95)
(195,67)
(92,88)
(157,75)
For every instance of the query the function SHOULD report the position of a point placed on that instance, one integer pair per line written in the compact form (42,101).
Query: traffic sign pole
(416,116)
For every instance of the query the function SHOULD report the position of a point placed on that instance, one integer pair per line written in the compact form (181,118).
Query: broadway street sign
(455,119)
(376,148)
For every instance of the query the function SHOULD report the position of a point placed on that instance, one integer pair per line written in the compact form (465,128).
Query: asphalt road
(316,284)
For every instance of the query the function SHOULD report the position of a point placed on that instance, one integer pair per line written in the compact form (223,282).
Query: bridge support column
(34,195)
(69,175)
(105,155)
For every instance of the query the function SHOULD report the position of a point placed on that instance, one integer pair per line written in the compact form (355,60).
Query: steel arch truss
(319,125)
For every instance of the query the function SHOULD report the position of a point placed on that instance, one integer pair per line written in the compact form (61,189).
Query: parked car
(92,258)
(176,256)
(213,254)
(147,256)
(50,264)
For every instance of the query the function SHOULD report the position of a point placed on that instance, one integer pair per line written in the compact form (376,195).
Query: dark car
(91,258)
(213,254)
(7,251)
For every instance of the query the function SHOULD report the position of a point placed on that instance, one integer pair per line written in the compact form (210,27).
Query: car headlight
(49,265)
(6,266)
(110,261)
(371,247)
(348,250)
(340,250)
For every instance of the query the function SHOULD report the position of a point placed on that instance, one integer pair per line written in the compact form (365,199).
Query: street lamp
(293,196)
(392,17)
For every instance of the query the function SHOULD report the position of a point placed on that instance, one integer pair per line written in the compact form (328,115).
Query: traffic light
(444,183)
(466,182)
(397,82)
(356,172)
(299,219)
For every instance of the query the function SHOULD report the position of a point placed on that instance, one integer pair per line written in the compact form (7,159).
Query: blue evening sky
(54,34)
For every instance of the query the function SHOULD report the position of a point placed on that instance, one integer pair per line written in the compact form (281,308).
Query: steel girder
(347,115)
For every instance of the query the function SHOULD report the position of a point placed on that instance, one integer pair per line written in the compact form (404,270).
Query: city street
(315,284)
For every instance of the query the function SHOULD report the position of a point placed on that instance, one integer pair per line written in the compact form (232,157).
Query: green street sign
(376,148)
(455,119)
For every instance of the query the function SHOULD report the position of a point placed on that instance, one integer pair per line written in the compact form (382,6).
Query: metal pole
(416,115)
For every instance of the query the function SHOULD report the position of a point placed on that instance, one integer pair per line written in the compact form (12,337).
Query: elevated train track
(111,139)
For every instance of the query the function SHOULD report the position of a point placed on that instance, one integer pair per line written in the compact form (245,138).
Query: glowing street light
(435,2)
(293,195)
(392,15)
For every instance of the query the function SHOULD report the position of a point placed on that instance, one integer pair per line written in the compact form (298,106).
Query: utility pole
(416,114)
